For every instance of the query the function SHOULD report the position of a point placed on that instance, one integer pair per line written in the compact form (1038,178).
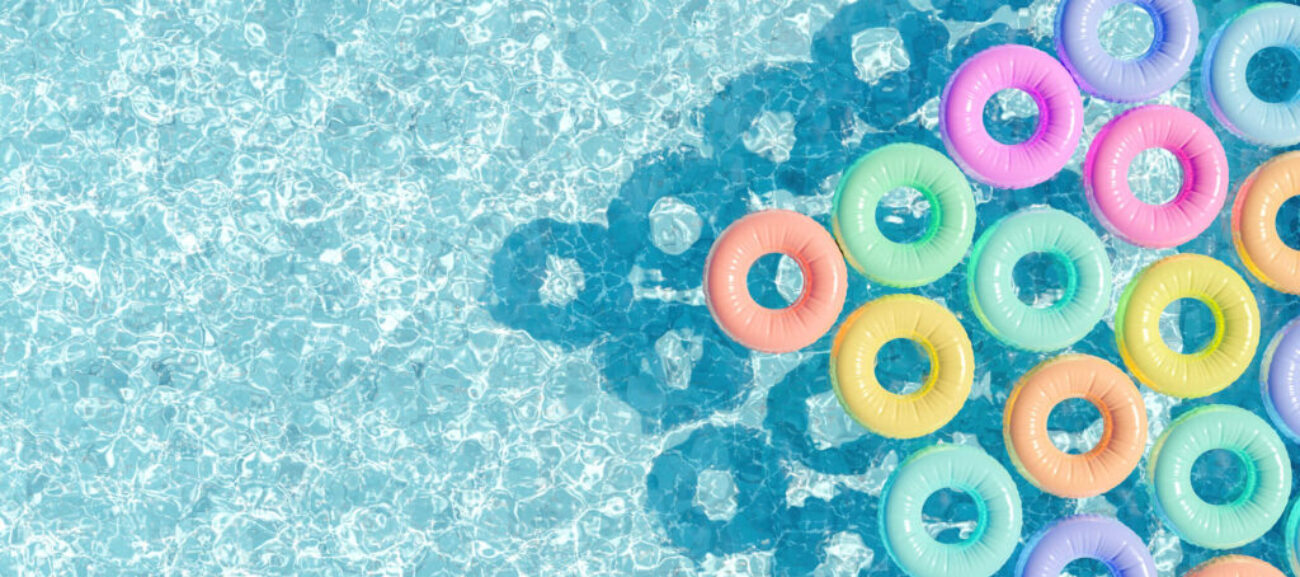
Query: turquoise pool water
(391,287)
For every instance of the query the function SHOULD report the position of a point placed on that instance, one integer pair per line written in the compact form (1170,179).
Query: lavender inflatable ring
(1086,536)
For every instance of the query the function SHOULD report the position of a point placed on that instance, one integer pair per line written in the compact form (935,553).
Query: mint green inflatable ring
(993,290)
(952,215)
(1268,476)
(957,467)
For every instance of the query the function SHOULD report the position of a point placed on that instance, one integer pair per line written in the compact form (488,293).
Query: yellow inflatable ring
(853,366)
(1236,326)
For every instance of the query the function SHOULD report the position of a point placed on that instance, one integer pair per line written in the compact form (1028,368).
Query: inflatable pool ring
(1086,537)
(726,290)
(1279,377)
(1234,566)
(1024,426)
(1236,321)
(966,469)
(993,291)
(853,366)
(1078,43)
(1292,538)
(1267,469)
(1060,116)
(1271,24)
(1205,176)
(1254,223)
(952,215)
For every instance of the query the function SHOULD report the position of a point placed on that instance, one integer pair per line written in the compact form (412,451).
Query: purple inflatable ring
(1078,42)
(1280,378)
(1086,536)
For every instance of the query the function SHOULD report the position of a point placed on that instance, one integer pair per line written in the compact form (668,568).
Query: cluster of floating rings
(1055,87)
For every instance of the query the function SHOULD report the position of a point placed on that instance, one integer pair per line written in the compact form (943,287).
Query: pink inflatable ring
(1060,116)
(726,289)
(1205,176)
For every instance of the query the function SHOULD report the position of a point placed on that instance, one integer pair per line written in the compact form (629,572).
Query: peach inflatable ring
(1123,413)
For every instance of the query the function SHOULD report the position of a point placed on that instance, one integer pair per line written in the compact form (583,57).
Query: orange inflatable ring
(726,287)
(1254,223)
(1234,566)
(1024,426)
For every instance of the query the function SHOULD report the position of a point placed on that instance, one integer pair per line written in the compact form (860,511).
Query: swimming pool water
(394,287)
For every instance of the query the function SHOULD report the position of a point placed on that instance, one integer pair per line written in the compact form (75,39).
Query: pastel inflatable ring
(1279,376)
(1078,43)
(966,469)
(1122,411)
(1254,223)
(1234,566)
(853,362)
(1226,57)
(1060,116)
(1205,176)
(992,287)
(1086,537)
(726,290)
(952,215)
(1261,451)
(1292,538)
(1236,333)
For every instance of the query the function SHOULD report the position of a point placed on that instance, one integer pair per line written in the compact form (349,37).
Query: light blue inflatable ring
(1272,24)
(962,468)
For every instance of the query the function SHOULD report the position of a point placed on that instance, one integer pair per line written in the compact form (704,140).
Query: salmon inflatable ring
(726,289)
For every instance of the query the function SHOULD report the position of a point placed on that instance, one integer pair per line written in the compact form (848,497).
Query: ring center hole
(902,366)
(1155,176)
(1127,31)
(903,215)
(1187,325)
(1041,279)
(1219,477)
(1273,74)
(1011,116)
(950,516)
(775,281)
(1071,426)
(1086,567)
(1288,222)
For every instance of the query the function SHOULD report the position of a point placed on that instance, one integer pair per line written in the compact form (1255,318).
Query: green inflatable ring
(993,291)
(952,215)
(971,471)
(1268,476)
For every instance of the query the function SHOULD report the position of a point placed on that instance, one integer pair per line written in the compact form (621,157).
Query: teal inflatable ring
(1267,472)
(952,215)
(957,467)
(1292,537)
(993,290)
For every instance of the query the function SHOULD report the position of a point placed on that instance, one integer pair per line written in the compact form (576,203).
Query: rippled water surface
(390,287)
